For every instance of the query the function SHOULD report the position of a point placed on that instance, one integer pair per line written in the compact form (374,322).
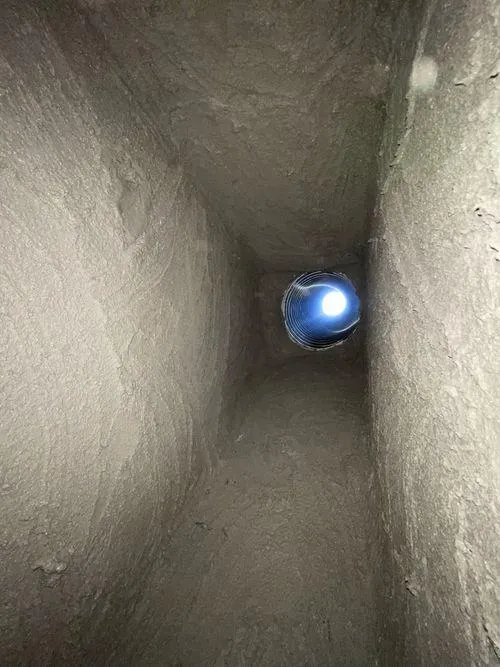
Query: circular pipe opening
(320,309)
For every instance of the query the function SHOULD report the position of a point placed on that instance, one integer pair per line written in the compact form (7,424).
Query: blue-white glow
(334,303)
(320,309)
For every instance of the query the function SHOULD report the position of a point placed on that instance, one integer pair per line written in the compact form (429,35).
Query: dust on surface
(269,564)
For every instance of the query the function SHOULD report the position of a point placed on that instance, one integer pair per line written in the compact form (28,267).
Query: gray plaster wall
(276,107)
(433,339)
(125,327)
(272,560)
(165,169)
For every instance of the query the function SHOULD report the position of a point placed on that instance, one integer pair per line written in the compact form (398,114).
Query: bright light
(334,303)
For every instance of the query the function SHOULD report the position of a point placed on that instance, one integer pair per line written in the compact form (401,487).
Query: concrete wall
(271,565)
(125,322)
(127,312)
(435,318)
(277,107)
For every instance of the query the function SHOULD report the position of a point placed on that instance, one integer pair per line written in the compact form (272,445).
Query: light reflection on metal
(320,309)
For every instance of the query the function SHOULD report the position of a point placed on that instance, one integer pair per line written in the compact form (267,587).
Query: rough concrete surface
(125,319)
(276,108)
(270,563)
(434,361)
(178,484)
